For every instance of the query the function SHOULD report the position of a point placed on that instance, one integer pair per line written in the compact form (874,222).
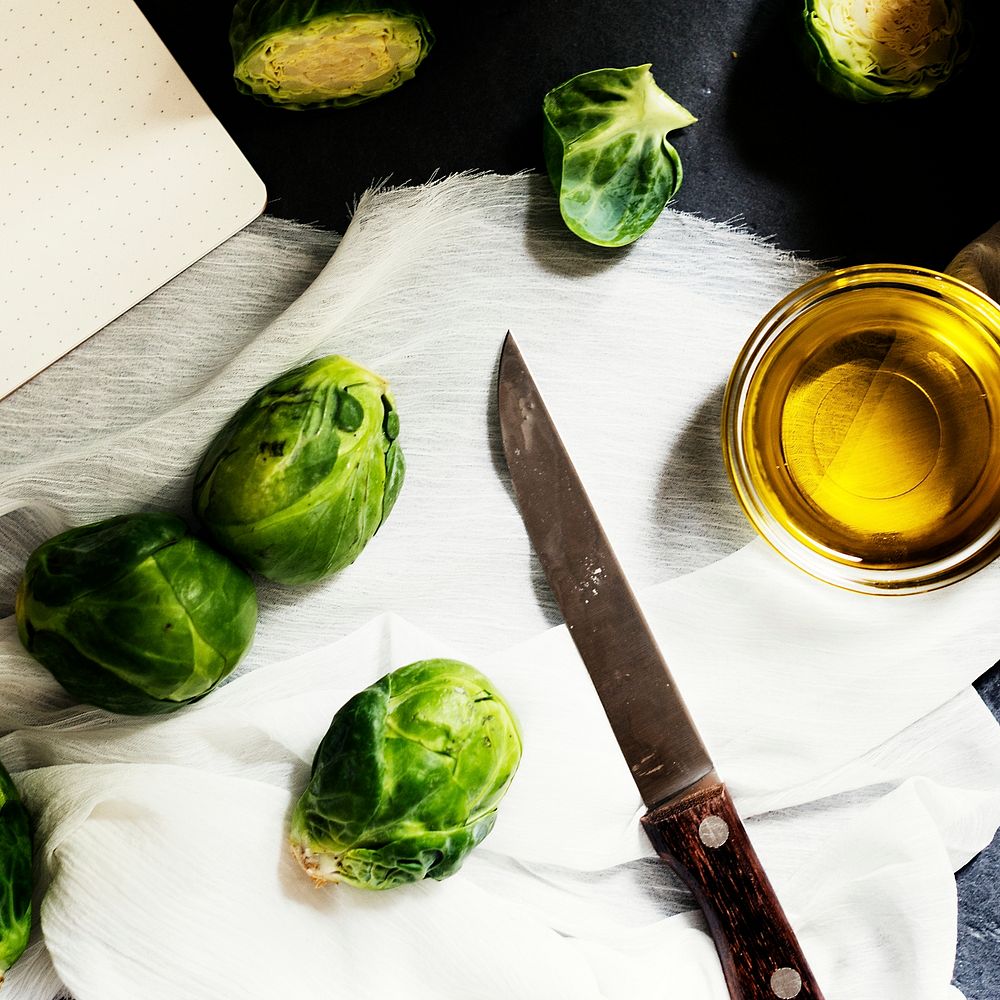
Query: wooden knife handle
(703,839)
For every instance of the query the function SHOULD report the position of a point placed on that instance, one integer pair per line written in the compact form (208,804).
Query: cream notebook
(115,176)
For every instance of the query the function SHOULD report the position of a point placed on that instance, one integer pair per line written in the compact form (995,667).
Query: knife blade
(691,820)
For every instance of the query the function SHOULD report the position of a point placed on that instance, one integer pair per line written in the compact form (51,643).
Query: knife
(691,819)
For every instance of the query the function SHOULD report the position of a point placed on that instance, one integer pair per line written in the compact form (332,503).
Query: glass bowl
(861,428)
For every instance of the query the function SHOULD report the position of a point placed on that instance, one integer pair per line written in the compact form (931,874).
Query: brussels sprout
(325,53)
(881,50)
(135,615)
(304,473)
(607,153)
(407,779)
(15,874)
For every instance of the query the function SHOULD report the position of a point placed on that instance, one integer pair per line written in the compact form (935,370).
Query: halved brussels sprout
(305,472)
(15,874)
(408,778)
(325,53)
(607,153)
(880,50)
(134,614)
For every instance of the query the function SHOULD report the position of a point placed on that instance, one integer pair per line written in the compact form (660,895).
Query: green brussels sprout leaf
(302,476)
(883,50)
(300,54)
(15,874)
(134,614)
(408,778)
(607,154)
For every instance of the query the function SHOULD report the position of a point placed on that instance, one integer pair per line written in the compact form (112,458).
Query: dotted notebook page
(114,173)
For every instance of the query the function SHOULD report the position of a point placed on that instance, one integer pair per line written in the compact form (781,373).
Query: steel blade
(650,720)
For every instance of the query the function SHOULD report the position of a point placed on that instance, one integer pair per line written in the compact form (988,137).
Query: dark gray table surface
(909,182)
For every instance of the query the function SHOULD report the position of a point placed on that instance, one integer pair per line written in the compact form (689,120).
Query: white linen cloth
(844,724)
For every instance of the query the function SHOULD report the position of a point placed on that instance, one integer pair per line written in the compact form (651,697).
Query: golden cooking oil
(870,424)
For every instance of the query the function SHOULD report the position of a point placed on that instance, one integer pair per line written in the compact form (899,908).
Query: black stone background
(909,182)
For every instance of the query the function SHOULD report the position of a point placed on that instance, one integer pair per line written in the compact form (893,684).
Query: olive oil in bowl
(862,430)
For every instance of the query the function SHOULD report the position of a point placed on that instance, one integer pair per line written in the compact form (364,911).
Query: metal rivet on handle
(786,983)
(714,831)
